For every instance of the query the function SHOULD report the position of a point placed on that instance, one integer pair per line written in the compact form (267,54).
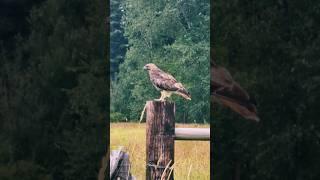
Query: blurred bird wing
(231,94)
(223,83)
(247,111)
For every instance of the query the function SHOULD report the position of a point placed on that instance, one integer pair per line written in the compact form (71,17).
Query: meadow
(192,158)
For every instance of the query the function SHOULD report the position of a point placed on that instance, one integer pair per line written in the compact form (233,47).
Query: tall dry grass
(192,158)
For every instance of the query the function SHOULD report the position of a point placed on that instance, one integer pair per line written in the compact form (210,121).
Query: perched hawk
(230,93)
(165,83)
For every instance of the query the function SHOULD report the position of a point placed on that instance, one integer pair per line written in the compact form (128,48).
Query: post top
(155,101)
(160,102)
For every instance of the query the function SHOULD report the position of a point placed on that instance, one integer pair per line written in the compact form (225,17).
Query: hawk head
(150,66)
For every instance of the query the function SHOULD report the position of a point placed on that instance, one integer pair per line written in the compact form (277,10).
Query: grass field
(192,158)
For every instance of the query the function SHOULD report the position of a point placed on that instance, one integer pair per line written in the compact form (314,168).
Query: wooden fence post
(160,128)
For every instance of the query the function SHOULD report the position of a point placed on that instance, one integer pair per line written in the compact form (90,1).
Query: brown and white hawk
(165,83)
(229,93)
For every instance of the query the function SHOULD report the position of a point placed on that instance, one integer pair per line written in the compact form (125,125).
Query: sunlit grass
(191,157)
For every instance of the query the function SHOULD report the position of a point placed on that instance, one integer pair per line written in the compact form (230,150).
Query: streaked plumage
(231,94)
(165,83)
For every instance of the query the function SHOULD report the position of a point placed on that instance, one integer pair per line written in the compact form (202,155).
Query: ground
(192,158)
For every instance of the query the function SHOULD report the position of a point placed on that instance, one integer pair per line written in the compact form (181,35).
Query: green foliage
(116,117)
(23,170)
(271,49)
(55,93)
(174,36)
(117,39)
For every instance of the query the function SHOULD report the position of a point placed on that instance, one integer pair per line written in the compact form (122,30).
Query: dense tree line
(272,50)
(118,41)
(53,86)
(175,36)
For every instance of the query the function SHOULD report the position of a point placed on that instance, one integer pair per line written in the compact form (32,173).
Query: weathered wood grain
(160,139)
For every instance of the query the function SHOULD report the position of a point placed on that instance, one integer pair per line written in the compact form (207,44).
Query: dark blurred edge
(109,87)
(15,10)
(211,103)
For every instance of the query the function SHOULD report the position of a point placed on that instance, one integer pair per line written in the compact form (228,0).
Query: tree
(270,49)
(56,93)
(117,40)
(175,36)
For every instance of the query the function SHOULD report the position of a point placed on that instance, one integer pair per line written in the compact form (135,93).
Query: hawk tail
(184,93)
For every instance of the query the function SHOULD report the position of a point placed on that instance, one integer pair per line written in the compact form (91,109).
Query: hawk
(165,83)
(229,93)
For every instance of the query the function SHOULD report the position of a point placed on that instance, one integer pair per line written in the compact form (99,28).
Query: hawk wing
(164,81)
(231,94)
